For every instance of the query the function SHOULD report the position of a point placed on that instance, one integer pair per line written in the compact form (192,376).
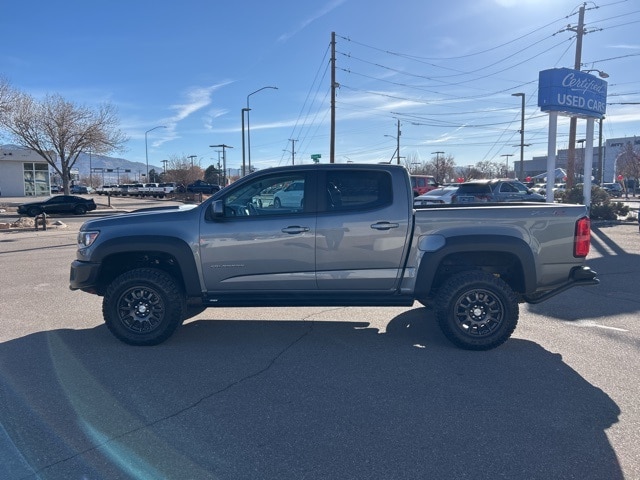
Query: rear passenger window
(357,190)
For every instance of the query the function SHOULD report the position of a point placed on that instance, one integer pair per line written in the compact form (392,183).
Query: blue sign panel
(572,92)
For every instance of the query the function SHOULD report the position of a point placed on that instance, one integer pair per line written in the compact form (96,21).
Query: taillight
(582,237)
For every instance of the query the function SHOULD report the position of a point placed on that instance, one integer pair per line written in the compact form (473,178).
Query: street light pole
(146,149)
(244,169)
(507,155)
(248,129)
(224,161)
(581,142)
(521,170)
(437,154)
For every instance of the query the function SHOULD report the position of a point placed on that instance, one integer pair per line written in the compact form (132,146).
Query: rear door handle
(295,229)
(384,226)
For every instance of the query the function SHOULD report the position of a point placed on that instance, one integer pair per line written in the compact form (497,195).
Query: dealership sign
(572,92)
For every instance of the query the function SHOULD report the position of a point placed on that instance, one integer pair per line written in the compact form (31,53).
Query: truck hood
(144,215)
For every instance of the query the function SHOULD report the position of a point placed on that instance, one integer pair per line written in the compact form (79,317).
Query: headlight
(85,239)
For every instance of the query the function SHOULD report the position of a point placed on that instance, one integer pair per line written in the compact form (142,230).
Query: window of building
(36,179)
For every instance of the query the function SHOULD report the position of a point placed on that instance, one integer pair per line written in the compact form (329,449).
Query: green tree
(154,177)
(213,175)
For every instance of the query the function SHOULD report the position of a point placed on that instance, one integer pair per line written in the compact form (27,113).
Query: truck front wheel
(143,306)
(476,310)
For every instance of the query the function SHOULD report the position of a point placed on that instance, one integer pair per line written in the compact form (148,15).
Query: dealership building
(611,151)
(23,173)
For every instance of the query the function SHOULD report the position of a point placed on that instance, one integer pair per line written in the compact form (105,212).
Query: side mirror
(217,209)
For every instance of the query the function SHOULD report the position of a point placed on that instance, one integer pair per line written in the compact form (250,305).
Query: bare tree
(440,167)
(182,171)
(60,130)
(487,169)
(628,165)
(7,96)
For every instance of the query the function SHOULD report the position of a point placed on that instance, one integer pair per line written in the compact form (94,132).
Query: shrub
(601,206)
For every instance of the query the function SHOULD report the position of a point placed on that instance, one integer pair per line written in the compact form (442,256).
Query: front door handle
(295,229)
(384,225)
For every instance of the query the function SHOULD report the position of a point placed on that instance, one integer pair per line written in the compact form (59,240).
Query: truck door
(260,244)
(361,231)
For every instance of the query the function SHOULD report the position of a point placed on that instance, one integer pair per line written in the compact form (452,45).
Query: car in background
(58,204)
(613,189)
(105,189)
(133,190)
(290,196)
(56,189)
(437,196)
(422,184)
(495,190)
(200,186)
(79,190)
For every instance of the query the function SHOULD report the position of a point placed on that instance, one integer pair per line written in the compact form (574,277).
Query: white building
(23,173)
(614,147)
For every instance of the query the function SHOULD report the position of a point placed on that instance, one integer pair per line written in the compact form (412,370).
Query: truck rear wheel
(476,310)
(143,306)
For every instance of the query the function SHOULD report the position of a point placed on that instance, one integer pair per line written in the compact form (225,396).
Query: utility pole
(573,122)
(293,151)
(398,146)
(522,145)
(332,140)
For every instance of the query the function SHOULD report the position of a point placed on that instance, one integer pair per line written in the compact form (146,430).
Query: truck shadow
(617,266)
(297,399)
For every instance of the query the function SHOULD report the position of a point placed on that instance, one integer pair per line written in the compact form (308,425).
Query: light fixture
(601,74)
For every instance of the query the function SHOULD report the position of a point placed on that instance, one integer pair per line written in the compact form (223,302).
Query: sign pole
(551,154)
(588,164)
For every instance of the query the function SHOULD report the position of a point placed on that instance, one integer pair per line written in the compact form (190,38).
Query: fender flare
(517,247)
(175,247)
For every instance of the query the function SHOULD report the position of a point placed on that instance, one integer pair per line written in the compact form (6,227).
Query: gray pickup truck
(342,235)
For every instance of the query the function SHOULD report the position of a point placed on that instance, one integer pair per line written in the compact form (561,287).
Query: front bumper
(84,276)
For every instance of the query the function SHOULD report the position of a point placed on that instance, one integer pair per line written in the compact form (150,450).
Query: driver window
(280,194)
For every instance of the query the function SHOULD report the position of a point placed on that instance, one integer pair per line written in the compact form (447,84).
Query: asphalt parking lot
(316,393)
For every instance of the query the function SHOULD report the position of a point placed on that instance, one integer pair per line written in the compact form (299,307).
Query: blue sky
(446,70)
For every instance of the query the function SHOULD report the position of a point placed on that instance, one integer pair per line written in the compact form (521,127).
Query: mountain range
(101,163)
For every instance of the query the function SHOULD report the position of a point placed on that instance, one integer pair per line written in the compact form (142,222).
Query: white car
(290,196)
(438,196)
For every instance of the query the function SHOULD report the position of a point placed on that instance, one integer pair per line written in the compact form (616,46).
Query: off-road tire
(143,306)
(476,310)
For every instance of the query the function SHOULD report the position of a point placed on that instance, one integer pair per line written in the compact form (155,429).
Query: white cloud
(197,98)
(320,13)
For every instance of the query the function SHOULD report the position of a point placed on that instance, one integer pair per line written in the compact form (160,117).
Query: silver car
(439,196)
(496,190)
